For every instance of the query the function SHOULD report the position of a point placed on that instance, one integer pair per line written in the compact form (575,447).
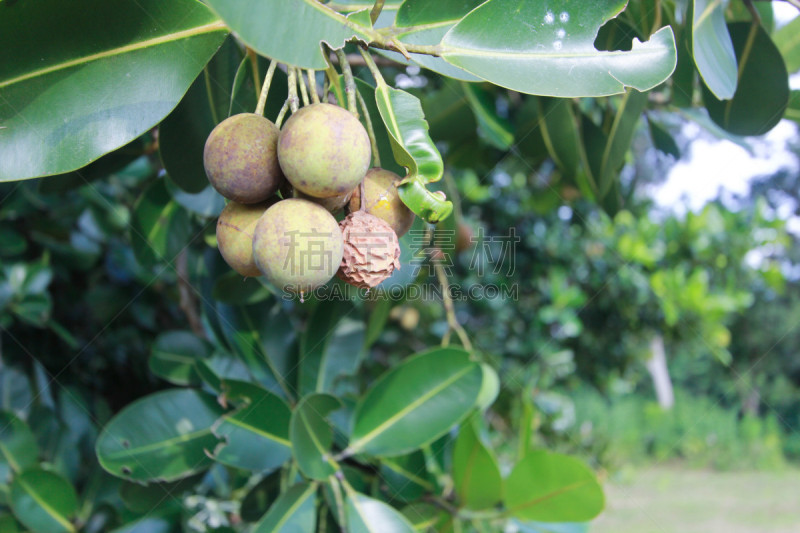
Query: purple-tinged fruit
(235,228)
(383,200)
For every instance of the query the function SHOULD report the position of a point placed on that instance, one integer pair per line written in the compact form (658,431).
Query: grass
(674,499)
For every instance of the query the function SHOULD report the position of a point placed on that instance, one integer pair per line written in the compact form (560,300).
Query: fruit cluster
(284,188)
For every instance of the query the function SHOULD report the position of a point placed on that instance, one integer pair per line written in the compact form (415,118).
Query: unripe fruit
(235,228)
(240,158)
(383,200)
(324,150)
(297,245)
(334,204)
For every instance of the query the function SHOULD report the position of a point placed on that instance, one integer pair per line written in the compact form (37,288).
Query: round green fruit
(297,245)
(235,228)
(240,158)
(383,200)
(324,150)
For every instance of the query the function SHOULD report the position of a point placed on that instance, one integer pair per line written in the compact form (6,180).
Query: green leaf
(164,436)
(550,487)
(18,448)
(490,387)
(787,39)
(416,402)
(620,138)
(329,347)
(662,139)
(762,93)
(44,501)
(231,288)
(312,435)
(270,27)
(712,48)
(157,497)
(293,512)
(793,109)
(160,228)
(183,134)
(406,477)
(262,336)
(423,516)
(367,515)
(8,524)
(547,48)
(83,78)
(493,129)
(174,355)
(257,435)
(476,475)
(413,148)
(561,135)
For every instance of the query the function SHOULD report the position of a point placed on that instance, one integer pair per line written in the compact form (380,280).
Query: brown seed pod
(371,250)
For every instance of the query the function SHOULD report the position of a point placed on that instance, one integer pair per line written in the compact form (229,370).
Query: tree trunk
(657,366)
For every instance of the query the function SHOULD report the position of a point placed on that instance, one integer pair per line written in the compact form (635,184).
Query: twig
(337,496)
(294,101)
(349,82)
(376,156)
(282,113)
(450,310)
(312,85)
(188,302)
(262,97)
(369,61)
(376,10)
(302,81)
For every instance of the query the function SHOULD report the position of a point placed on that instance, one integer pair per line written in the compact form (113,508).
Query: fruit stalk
(349,81)
(262,97)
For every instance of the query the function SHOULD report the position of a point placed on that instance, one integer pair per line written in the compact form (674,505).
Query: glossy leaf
(207,203)
(270,27)
(712,48)
(490,387)
(492,128)
(174,355)
(547,48)
(330,347)
(413,148)
(787,39)
(160,228)
(476,474)
(294,511)
(312,436)
(18,448)
(423,516)
(619,138)
(164,436)
(793,109)
(44,501)
(561,135)
(406,477)
(762,93)
(81,79)
(261,336)
(550,487)
(662,139)
(367,515)
(416,402)
(256,435)
(157,497)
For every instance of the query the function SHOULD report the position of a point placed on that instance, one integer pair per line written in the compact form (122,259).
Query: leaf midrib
(183,34)
(186,437)
(66,524)
(392,420)
(258,431)
(297,503)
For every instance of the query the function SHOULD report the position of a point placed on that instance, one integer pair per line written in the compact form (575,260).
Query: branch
(188,302)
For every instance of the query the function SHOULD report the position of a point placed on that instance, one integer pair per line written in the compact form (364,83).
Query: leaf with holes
(416,402)
(44,501)
(550,487)
(257,435)
(163,436)
(81,79)
(547,48)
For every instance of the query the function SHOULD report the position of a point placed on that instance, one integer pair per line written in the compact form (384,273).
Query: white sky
(713,166)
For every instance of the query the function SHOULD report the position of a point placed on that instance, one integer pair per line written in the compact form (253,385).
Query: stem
(262,97)
(282,113)
(333,78)
(188,302)
(210,94)
(337,496)
(253,57)
(349,82)
(376,10)
(449,308)
(302,81)
(376,156)
(373,68)
(294,101)
(312,85)
(753,11)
